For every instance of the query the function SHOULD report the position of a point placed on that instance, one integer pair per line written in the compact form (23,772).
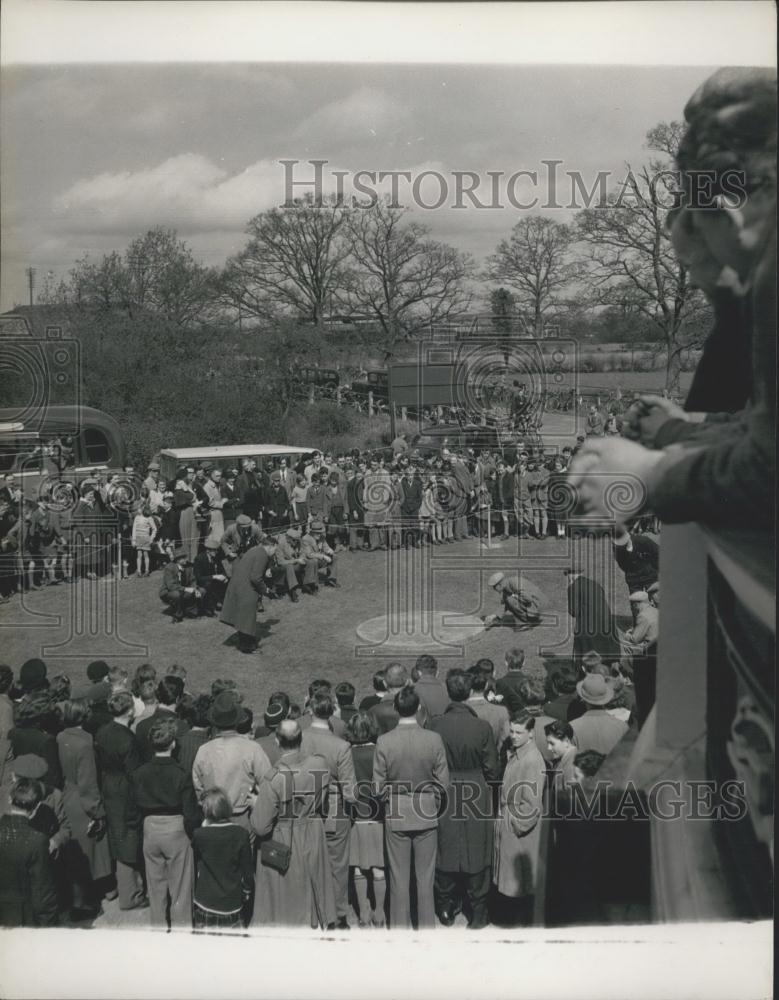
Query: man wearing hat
(85,526)
(51,815)
(179,589)
(210,577)
(230,761)
(522,602)
(276,504)
(152,480)
(237,539)
(244,592)
(319,558)
(646,624)
(274,715)
(638,557)
(596,729)
(289,565)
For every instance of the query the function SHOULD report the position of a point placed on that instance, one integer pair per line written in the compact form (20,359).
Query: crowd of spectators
(304,813)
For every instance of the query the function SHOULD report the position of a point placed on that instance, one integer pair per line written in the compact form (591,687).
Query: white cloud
(188,191)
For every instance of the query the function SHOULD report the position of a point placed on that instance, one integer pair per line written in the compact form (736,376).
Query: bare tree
(400,276)
(632,264)
(156,275)
(293,262)
(536,261)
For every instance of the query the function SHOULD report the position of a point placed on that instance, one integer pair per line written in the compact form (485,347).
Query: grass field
(316,637)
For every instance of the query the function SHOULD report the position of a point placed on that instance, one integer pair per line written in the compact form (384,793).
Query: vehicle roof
(236,451)
(68,418)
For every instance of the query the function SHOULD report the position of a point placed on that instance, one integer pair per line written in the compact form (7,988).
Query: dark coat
(640,565)
(240,604)
(206,566)
(116,750)
(465,827)
(82,802)
(28,895)
(593,625)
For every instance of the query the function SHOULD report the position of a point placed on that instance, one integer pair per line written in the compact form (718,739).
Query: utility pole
(30,272)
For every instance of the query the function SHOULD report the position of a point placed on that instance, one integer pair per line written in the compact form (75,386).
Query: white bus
(224,457)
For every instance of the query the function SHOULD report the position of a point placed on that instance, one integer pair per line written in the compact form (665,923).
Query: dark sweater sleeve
(730,480)
(246,864)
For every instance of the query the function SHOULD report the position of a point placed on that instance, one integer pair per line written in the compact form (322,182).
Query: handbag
(276,854)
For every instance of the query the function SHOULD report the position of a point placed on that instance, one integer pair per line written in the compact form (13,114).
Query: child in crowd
(299,500)
(143,535)
(224,870)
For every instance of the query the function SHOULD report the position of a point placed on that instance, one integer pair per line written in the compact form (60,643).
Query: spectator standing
(639,558)
(319,741)
(431,690)
(517,832)
(597,729)
(224,868)
(117,755)
(166,801)
(465,827)
(87,857)
(230,761)
(366,844)
(410,769)
(28,896)
(288,809)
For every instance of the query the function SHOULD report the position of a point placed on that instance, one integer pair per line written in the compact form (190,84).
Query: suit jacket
(338,754)
(410,767)
(597,730)
(387,717)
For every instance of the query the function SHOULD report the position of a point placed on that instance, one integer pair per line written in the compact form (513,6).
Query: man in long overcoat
(289,809)
(593,625)
(244,593)
(465,828)
(118,755)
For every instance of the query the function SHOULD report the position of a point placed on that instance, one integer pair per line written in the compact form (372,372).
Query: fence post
(370,402)
(311,395)
(404,413)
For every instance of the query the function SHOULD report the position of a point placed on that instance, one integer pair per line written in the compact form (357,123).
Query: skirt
(366,844)
(206,921)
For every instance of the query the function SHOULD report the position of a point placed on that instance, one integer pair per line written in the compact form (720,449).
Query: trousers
(401,847)
(170,870)
(129,885)
(450,887)
(338,851)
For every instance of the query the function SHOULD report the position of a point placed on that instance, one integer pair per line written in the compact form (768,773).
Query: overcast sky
(95,155)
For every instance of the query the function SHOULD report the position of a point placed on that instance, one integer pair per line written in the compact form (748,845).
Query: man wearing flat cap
(152,480)
(245,590)
(319,557)
(522,602)
(290,565)
(179,589)
(237,539)
(210,577)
